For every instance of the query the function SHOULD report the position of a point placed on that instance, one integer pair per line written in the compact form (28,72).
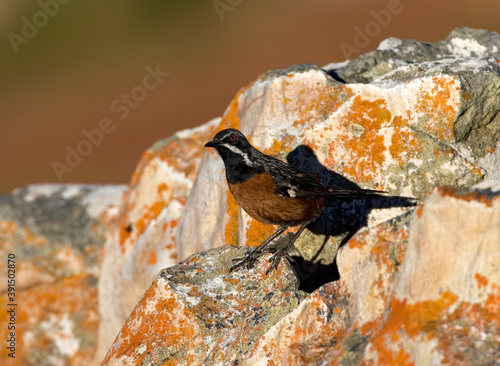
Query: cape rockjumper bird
(274,192)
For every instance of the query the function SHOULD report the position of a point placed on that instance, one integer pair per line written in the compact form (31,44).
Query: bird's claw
(275,260)
(247,262)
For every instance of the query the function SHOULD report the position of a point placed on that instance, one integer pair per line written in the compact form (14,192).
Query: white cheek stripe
(239,152)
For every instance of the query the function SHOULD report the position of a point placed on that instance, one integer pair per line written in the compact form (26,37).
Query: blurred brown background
(64,64)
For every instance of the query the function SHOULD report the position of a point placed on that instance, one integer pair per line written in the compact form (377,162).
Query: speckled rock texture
(420,289)
(371,283)
(57,234)
(199,313)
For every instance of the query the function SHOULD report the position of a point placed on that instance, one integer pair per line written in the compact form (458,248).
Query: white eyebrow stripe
(239,152)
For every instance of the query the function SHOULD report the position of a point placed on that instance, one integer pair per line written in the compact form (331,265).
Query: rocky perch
(368,284)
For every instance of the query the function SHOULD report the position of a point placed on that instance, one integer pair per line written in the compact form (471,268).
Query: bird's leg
(250,259)
(275,259)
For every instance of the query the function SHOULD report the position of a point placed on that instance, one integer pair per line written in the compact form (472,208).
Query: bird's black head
(238,155)
(229,138)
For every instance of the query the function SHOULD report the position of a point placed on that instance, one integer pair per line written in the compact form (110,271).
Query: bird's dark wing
(292,182)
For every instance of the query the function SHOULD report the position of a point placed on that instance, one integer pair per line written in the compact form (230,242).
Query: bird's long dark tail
(356,193)
(346,194)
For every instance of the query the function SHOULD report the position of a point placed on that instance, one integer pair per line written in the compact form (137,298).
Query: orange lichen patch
(149,216)
(8,227)
(315,103)
(231,230)
(387,357)
(469,197)
(404,142)
(182,200)
(31,238)
(280,146)
(71,298)
(371,115)
(418,319)
(190,149)
(421,316)
(467,326)
(258,232)
(380,238)
(152,257)
(419,211)
(124,230)
(492,307)
(77,295)
(162,187)
(436,106)
(474,168)
(181,154)
(307,335)
(158,320)
(482,281)
(368,125)
(357,242)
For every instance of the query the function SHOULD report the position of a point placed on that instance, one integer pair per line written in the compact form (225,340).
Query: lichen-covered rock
(197,313)
(430,119)
(145,242)
(326,327)
(56,233)
(445,305)
(418,290)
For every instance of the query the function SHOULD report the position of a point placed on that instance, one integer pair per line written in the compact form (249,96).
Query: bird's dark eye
(232,137)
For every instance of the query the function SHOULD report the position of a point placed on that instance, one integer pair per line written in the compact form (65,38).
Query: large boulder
(54,237)
(405,286)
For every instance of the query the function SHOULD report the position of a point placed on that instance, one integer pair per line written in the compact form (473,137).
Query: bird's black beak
(210,144)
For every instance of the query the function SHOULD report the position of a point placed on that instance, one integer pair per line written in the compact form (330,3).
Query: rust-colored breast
(257,196)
